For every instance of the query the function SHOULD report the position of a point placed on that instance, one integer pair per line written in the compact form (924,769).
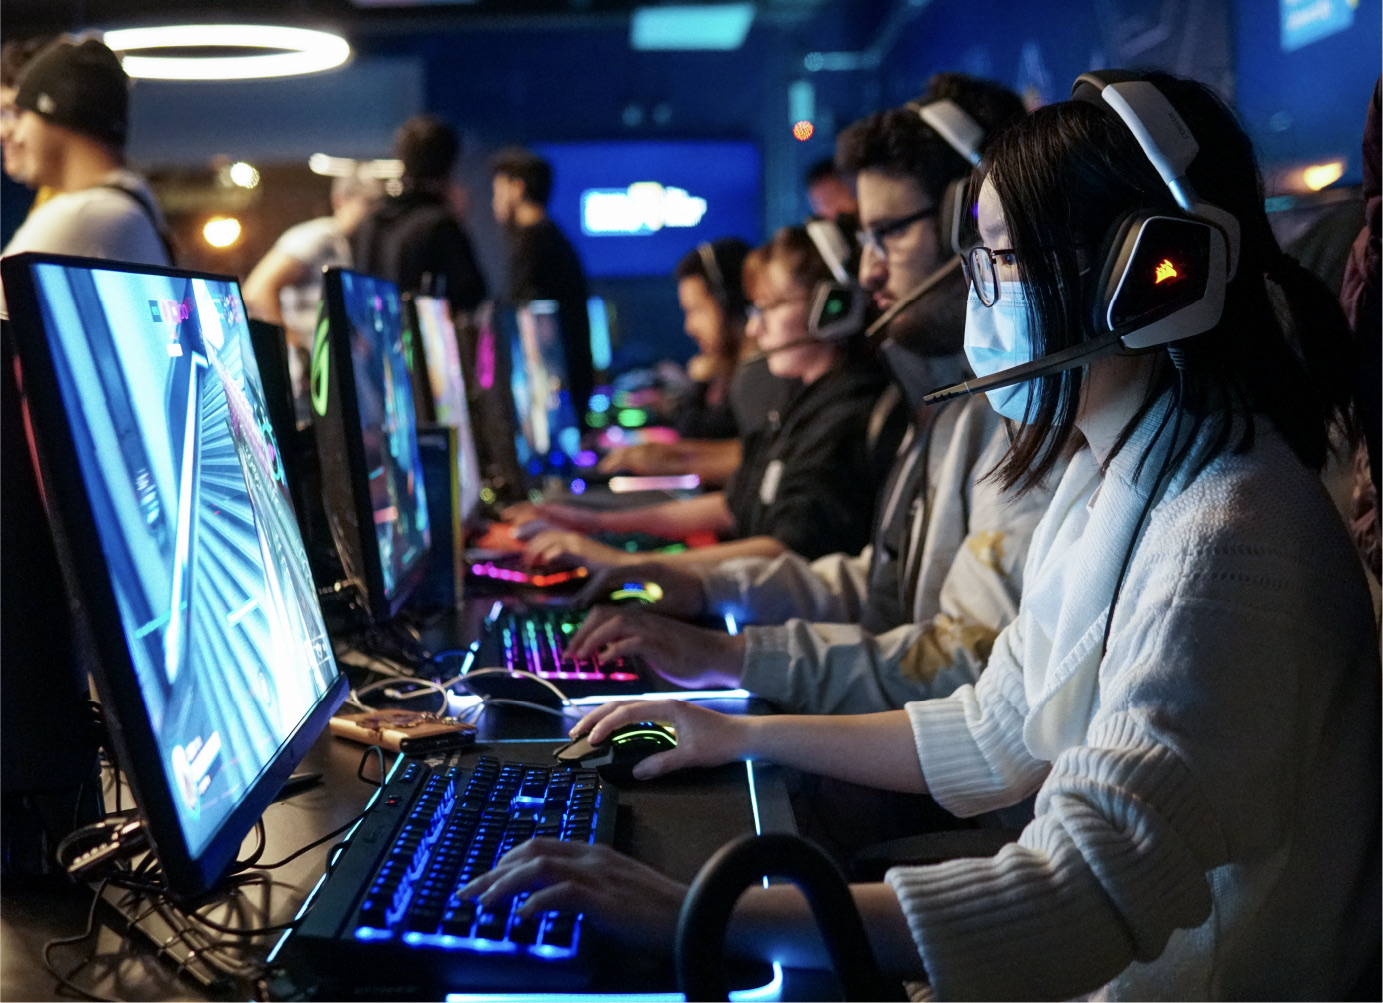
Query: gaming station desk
(674,824)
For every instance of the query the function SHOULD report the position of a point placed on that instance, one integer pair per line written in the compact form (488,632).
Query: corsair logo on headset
(1163,275)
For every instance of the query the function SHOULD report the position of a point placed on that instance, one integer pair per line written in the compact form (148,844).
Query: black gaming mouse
(616,757)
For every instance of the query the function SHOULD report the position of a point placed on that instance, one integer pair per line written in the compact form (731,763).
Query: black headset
(715,278)
(838,306)
(1162,275)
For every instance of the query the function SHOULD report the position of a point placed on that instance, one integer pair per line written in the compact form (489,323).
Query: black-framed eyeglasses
(873,240)
(980,266)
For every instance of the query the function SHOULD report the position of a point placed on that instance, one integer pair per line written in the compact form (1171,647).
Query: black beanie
(80,86)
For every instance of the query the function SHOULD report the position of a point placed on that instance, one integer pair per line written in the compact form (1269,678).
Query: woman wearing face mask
(1204,750)
(806,482)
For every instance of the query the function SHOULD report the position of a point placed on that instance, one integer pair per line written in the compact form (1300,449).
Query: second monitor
(372,478)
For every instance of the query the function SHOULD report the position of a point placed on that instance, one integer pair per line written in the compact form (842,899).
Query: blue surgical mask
(997,338)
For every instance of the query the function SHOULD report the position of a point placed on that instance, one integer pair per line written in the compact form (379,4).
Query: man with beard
(914,615)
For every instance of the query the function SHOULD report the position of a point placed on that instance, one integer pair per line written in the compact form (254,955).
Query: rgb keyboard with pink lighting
(535,640)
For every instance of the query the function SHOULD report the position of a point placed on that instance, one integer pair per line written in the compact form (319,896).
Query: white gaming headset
(1163,274)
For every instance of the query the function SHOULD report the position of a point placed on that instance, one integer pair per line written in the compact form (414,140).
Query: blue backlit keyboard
(389,909)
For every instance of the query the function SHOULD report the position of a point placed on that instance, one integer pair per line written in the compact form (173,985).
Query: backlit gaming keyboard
(535,640)
(389,911)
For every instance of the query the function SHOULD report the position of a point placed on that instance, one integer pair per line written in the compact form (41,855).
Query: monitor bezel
(382,606)
(411,305)
(98,614)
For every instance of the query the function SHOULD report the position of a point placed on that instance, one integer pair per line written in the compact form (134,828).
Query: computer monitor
(547,436)
(177,532)
(447,383)
(367,443)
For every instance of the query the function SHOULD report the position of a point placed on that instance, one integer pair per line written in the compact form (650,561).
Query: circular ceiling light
(293,51)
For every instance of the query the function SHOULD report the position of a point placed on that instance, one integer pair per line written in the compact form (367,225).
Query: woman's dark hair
(1065,176)
(727,288)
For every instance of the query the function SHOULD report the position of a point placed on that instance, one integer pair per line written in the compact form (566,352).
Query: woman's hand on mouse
(704,737)
(564,549)
(683,594)
(692,657)
(626,899)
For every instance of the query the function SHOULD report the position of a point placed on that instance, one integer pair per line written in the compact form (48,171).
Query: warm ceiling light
(221,231)
(802,131)
(307,51)
(344,167)
(1319,176)
(243,175)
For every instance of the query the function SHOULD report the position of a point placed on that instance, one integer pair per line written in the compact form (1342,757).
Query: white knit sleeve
(970,744)
(1116,860)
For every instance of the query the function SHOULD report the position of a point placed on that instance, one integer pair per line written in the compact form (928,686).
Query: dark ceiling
(27,17)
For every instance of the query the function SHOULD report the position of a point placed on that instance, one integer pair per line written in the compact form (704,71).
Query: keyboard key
(559,929)
(491,924)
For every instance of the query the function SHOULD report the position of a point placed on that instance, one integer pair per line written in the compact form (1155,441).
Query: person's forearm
(714,460)
(262,303)
(709,557)
(875,750)
(776,924)
(676,519)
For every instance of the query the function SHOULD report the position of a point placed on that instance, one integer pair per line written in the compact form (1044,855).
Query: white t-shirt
(96,222)
(317,244)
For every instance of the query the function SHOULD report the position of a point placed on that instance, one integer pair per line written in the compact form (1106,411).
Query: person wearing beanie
(71,113)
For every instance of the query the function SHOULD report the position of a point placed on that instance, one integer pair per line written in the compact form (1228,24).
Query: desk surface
(675,824)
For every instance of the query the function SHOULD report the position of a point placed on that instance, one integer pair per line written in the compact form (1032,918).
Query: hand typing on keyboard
(564,549)
(687,656)
(626,899)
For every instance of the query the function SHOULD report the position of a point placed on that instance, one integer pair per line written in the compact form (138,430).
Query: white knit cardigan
(1209,793)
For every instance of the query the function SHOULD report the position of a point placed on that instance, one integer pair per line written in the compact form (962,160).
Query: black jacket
(809,476)
(544,266)
(415,234)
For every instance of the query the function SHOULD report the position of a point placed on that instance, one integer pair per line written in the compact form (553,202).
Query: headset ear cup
(952,215)
(1112,262)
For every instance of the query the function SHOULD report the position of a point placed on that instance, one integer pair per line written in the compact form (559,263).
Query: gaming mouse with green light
(636,593)
(625,747)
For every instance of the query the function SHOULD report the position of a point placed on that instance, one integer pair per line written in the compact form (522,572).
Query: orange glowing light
(1166,270)
(802,131)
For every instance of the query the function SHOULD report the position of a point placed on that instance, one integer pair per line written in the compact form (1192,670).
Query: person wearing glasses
(806,482)
(915,614)
(1191,685)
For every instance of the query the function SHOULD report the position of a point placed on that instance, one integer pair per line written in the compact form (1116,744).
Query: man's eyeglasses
(981,270)
(873,240)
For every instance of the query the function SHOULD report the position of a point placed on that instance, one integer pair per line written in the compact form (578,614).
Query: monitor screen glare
(207,567)
(398,498)
(548,434)
(449,390)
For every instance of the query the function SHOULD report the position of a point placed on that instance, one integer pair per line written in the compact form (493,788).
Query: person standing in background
(14,56)
(414,239)
(285,288)
(828,193)
(72,112)
(542,263)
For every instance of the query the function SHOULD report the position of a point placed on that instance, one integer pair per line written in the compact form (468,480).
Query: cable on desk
(383,770)
(66,980)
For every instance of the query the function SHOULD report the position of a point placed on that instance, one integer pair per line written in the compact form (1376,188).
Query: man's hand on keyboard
(687,656)
(704,737)
(683,594)
(558,548)
(630,901)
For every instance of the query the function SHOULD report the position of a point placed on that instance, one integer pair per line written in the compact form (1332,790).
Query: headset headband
(832,246)
(711,265)
(1163,136)
(952,123)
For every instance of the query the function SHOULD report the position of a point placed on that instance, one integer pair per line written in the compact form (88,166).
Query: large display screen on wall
(634,207)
